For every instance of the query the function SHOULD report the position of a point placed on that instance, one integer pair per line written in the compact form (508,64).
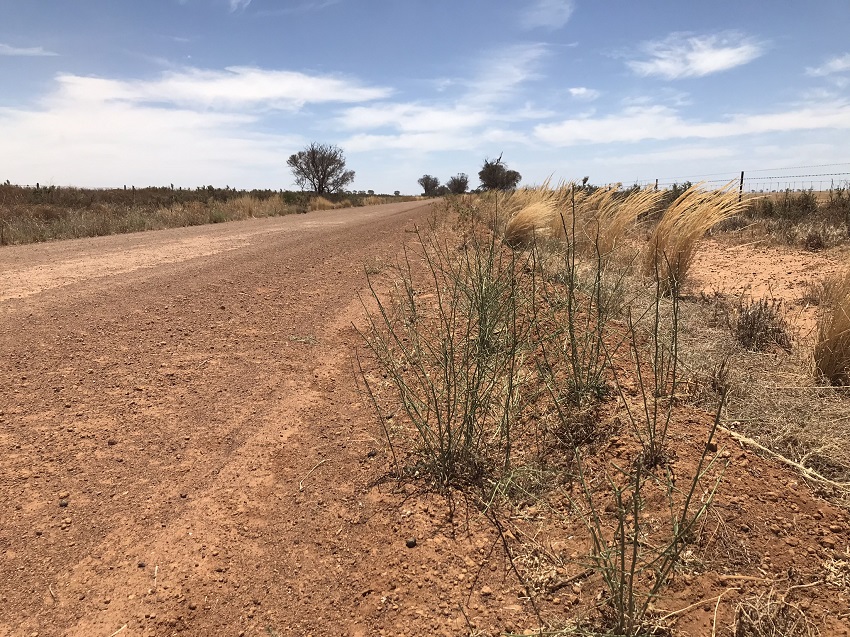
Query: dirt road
(184,449)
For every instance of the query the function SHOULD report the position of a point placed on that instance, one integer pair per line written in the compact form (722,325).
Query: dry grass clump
(531,223)
(771,615)
(320,203)
(614,216)
(832,347)
(689,217)
(602,216)
(247,206)
(758,324)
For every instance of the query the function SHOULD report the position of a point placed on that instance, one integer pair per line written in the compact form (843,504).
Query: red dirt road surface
(184,447)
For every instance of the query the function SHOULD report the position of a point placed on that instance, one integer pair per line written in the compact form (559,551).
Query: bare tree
(321,167)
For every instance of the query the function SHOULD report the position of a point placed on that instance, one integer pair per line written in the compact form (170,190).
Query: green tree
(321,167)
(430,185)
(495,175)
(458,184)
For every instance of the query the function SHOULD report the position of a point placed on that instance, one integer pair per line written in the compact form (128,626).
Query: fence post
(741,188)
(656,183)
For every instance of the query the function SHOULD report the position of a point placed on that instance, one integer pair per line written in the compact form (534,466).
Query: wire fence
(795,178)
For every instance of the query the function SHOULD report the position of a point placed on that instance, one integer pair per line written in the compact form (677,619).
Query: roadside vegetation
(550,365)
(30,215)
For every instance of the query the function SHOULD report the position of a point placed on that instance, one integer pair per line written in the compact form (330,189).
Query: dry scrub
(519,370)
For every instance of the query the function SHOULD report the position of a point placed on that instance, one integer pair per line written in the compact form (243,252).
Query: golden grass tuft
(320,203)
(614,221)
(832,345)
(532,223)
(673,243)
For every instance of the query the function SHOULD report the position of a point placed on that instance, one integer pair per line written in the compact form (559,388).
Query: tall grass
(321,203)
(601,217)
(689,217)
(832,345)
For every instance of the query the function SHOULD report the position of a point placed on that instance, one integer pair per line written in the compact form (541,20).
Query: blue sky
(193,92)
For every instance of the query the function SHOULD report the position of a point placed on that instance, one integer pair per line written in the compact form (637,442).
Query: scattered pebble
(411,542)
(63,503)
(192,605)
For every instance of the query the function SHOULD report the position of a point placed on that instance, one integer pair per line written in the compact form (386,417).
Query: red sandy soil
(186,452)
(756,271)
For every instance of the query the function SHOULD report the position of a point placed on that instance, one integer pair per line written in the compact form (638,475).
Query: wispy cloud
(641,123)
(584,93)
(34,51)
(412,118)
(839,64)
(547,14)
(500,73)
(478,114)
(231,88)
(682,55)
(239,5)
(305,7)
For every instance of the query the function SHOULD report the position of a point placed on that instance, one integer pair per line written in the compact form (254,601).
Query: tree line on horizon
(321,168)
(494,175)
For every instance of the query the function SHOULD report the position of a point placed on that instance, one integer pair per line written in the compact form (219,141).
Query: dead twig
(684,610)
(809,474)
(309,473)
(716,606)
(120,630)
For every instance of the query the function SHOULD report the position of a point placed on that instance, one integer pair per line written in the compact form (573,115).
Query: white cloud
(683,55)
(238,5)
(584,93)
(231,88)
(839,64)
(420,142)
(35,51)
(640,123)
(100,131)
(547,14)
(412,118)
